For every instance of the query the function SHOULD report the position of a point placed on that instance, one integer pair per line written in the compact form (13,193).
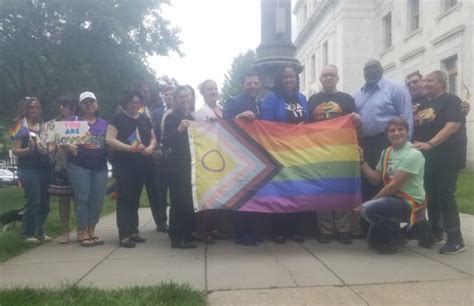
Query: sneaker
(324,238)
(297,238)
(162,228)
(451,248)
(32,240)
(63,239)
(344,238)
(137,238)
(279,240)
(127,243)
(183,245)
(45,238)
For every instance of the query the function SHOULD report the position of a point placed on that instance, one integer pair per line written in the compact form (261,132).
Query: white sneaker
(46,238)
(32,240)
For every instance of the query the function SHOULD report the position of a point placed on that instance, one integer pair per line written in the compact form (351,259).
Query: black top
(430,118)
(294,110)
(326,106)
(126,126)
(174,140)
(34,160)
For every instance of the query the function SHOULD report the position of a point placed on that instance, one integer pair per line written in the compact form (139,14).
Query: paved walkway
(291,274)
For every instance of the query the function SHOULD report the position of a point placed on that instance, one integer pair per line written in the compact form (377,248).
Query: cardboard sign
(71,132)
(47,132)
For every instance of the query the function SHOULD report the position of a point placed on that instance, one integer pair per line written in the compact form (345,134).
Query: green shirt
(407,159)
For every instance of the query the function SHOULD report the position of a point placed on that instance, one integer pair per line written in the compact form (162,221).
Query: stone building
(405,35)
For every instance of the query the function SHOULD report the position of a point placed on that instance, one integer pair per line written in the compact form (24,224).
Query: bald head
(373,71)
(329,78)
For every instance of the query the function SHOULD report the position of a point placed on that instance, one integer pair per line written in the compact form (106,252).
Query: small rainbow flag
(134,139)
(20,130)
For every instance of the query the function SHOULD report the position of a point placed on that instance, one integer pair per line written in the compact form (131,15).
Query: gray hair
(440,76)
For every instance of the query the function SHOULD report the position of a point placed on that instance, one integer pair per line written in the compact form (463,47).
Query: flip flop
(97,240)
(88,242)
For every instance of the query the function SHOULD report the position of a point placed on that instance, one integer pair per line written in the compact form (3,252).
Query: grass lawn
(465,192)
(11,243)
(165,294)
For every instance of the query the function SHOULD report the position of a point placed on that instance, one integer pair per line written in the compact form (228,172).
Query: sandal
(98,241)
(87,242)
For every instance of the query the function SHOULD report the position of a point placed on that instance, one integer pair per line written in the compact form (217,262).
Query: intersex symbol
(211,157)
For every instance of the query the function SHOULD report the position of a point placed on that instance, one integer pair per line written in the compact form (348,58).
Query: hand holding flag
(135,141)
(20,130)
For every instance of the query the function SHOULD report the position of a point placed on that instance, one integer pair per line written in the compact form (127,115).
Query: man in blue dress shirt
(378,101)
(245,106)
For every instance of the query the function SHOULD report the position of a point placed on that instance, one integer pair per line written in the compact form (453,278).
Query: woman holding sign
(87,169)
(33,169)
(131,136)
(60,185)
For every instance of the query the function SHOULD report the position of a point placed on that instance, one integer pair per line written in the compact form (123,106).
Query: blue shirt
(380,103)
(240,104)
(273,108)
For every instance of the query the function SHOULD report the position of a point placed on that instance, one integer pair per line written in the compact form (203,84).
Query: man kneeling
(402,199)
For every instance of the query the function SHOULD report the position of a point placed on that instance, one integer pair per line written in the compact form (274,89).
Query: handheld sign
(71,132)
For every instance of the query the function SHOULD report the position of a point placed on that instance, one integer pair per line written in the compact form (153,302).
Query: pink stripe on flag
(302,203)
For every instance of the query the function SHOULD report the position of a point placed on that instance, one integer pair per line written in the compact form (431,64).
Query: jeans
(35,184)
(440,186)
(89,188)
(386,213)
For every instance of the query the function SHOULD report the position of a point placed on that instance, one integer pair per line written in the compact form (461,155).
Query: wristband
(430,144)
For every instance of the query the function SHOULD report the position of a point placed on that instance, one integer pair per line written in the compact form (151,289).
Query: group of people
(412,140)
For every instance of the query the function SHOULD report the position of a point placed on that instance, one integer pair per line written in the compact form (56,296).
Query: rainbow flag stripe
(307,167)
(20,130)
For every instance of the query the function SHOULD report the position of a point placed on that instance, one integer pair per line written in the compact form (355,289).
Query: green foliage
(164,294)
(234,77)
(53,47)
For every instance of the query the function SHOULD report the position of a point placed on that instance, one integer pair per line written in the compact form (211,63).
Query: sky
(213,33)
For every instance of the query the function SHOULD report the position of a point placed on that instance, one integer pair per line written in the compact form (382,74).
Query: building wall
(355,33)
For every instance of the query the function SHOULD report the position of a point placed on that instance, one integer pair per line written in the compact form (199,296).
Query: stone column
(276,48)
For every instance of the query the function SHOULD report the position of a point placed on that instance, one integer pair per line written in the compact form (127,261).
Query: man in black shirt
(328,104)
(414,83)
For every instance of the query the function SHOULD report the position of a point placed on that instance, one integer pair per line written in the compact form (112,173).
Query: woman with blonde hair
(33,169)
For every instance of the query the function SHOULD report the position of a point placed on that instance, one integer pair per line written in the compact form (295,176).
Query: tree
(234,77)
(52,47)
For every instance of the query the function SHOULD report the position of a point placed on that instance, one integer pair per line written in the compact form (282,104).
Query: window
(313,67)
(305,13)
(303,77)
(413,15)
(387,31)
(450,65)
(325,54)
(447,4)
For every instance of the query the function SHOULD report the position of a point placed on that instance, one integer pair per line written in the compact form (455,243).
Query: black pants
(287,225)
(182,220)
(156,189)
(440,187)
(244,224)
(373,147)
(130,181)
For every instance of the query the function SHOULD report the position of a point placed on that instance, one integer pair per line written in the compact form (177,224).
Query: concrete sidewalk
(291,274)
